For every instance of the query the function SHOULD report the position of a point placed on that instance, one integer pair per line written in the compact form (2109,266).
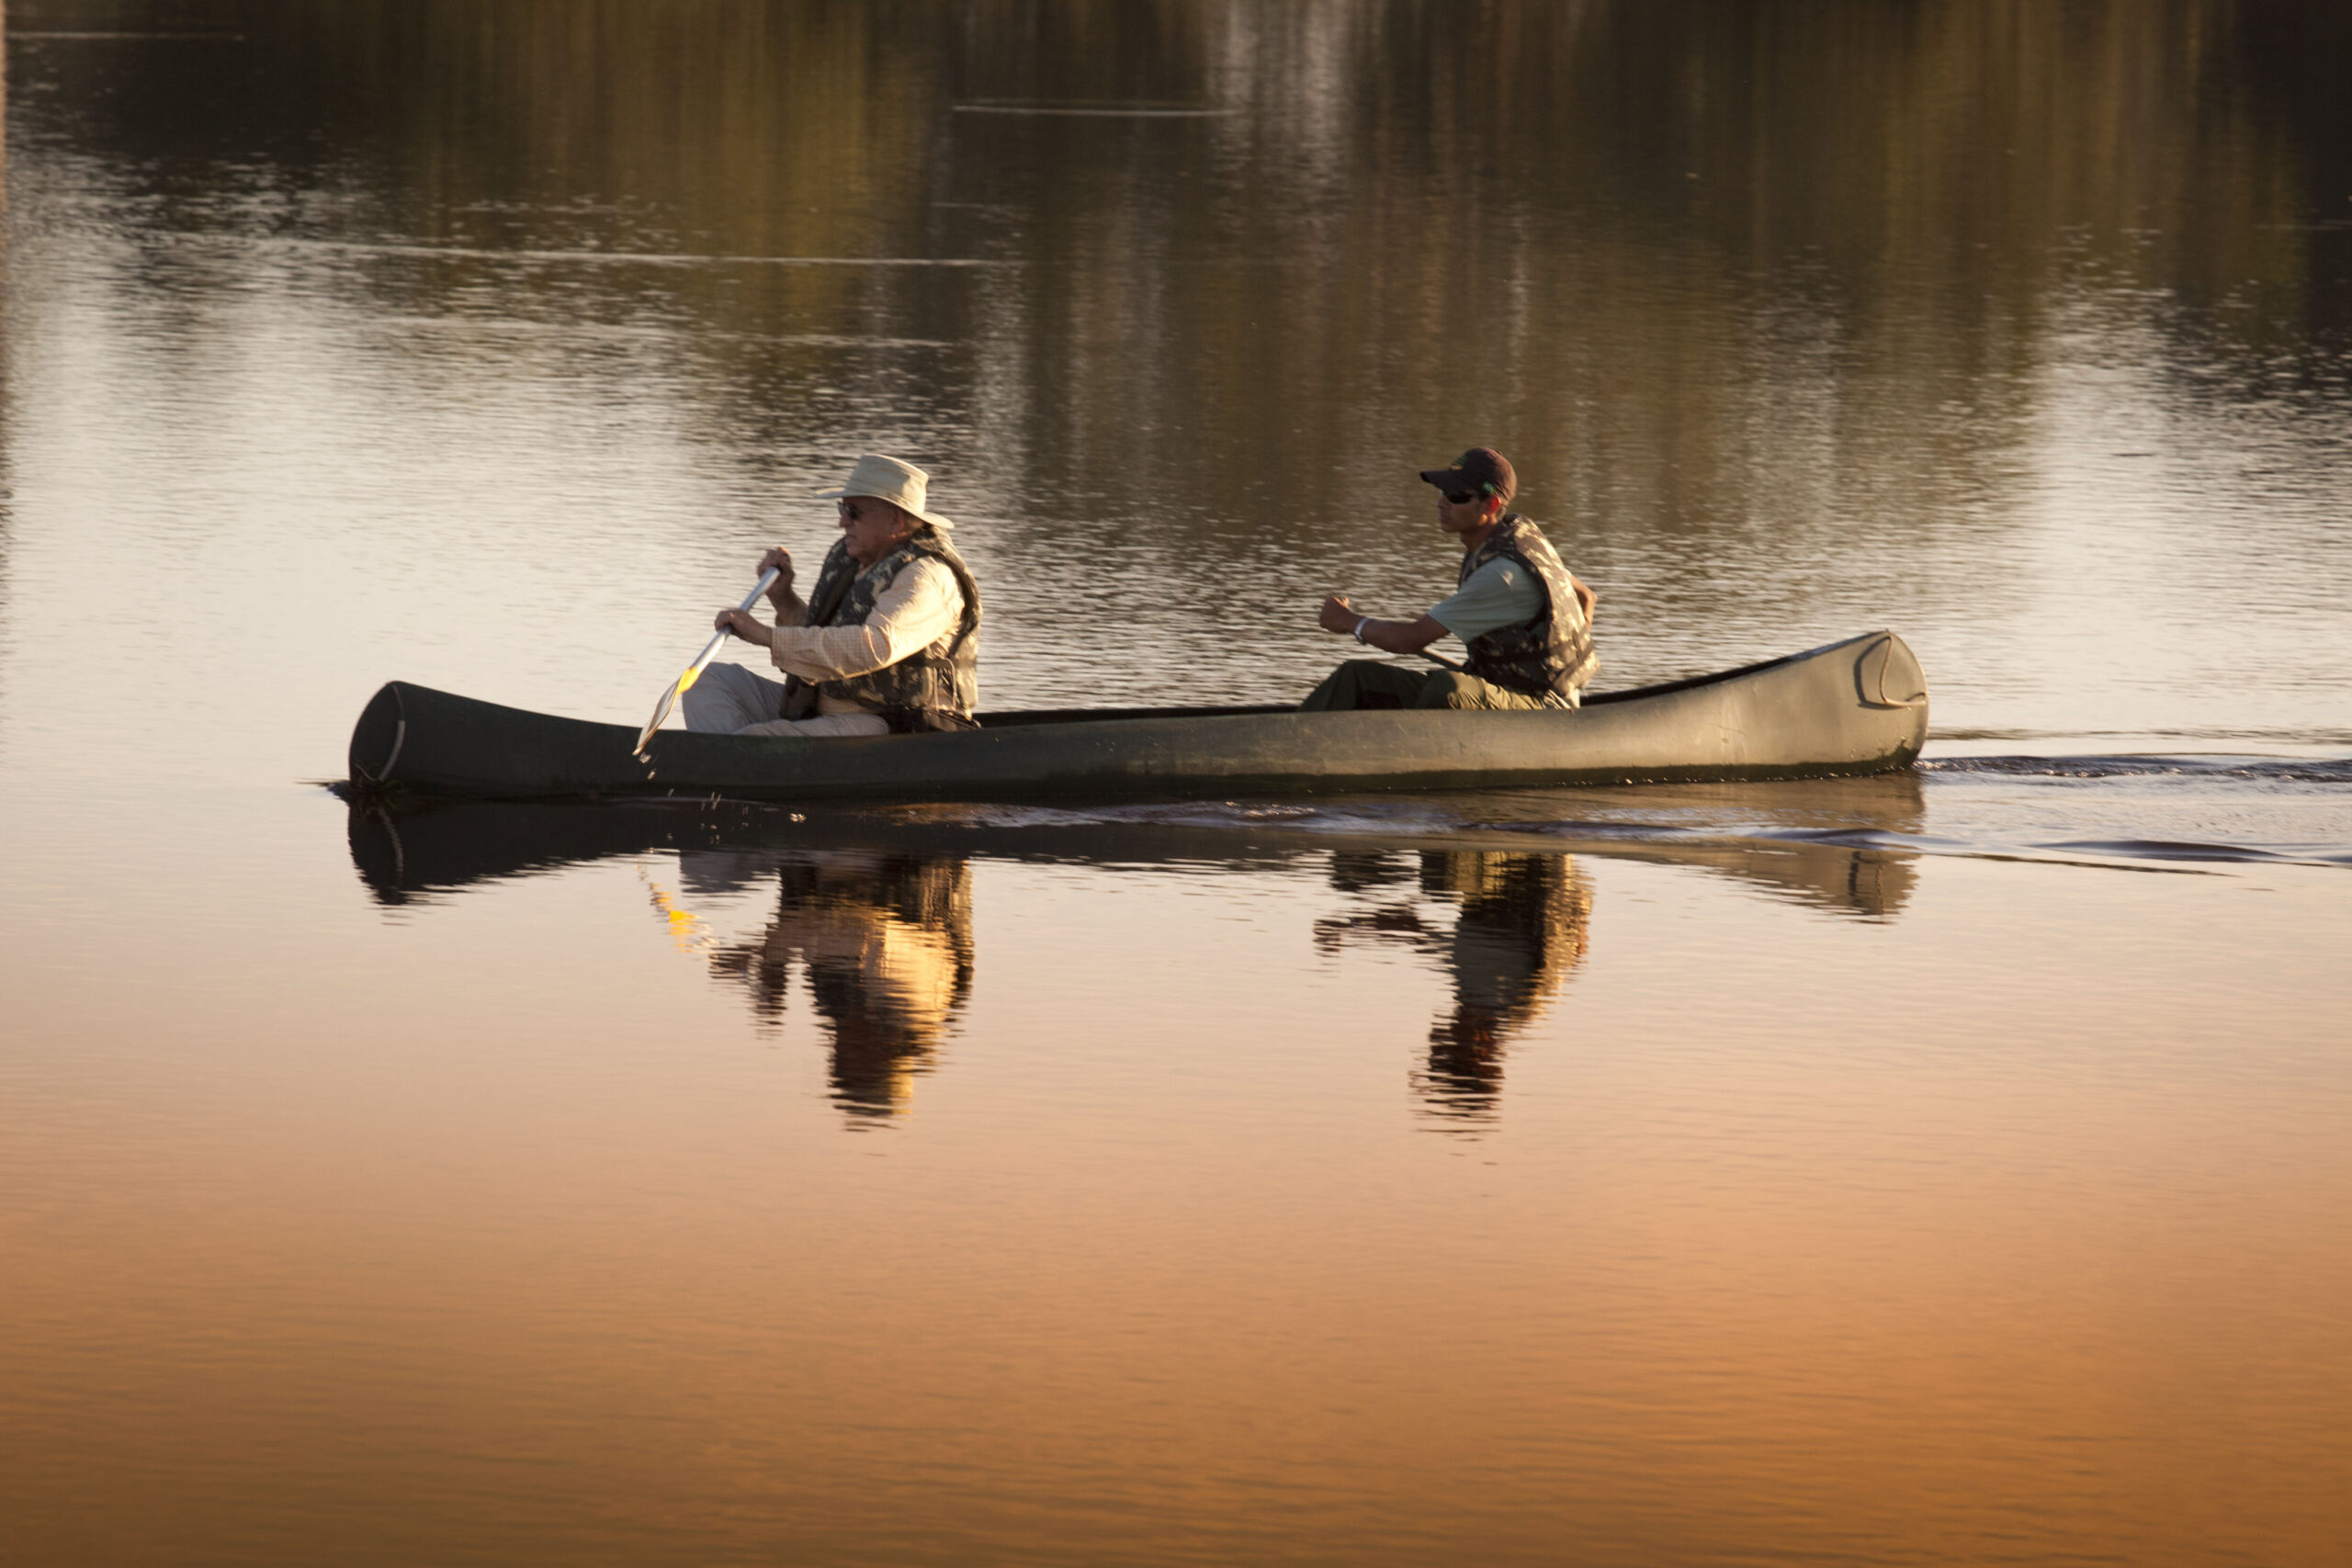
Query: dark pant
(1371,683)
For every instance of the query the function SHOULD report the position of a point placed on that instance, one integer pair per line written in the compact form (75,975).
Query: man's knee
(1459,689)
(725,698)
(700,706)
(1363,683)
(1453,688)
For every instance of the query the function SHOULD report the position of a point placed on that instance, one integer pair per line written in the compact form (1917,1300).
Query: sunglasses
(1458,497)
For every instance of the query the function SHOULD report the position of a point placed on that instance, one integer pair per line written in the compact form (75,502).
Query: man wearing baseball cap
(887,641)
(1522,616)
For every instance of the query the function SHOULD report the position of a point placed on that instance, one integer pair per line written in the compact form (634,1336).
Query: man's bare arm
(1389,637)
(789,609)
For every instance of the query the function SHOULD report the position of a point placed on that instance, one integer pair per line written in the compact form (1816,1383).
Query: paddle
(694,672)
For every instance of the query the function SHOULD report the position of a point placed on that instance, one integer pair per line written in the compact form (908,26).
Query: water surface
(1941,1168)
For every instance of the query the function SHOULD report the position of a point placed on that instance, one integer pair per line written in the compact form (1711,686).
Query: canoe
(1856,706)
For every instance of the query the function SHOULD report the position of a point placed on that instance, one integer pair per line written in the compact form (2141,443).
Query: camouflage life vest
(1553,652)
(933,689)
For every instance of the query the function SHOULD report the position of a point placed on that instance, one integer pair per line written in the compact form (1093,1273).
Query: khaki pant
(1371,683)
(728,699)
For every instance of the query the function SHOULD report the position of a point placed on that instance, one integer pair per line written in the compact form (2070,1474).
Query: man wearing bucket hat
(887,640)
(1523,618)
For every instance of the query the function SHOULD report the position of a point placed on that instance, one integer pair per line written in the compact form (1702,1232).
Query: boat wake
(2146,813)
(2282,770)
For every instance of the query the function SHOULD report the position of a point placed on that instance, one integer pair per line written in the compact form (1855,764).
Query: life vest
(1553,652)
(933,689)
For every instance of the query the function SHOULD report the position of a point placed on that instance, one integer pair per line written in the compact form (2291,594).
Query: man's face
(1465,516)
(871,527)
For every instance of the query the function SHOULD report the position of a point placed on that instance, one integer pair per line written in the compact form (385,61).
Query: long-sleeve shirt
(922,605)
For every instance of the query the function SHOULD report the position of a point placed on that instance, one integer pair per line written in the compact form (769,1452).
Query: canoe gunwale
(1013,718)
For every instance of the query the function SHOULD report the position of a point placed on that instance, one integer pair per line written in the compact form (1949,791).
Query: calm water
(1943,1169)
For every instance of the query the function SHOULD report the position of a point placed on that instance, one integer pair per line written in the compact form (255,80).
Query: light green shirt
(1500,594)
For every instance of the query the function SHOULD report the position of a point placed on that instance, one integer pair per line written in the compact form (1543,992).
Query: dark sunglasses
(1458,497)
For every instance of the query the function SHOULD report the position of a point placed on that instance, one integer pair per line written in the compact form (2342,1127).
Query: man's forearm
(1585,597)
(1399,637)
(828,654)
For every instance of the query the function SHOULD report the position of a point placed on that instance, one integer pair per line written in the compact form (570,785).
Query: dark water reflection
(1521,928)
(875,910)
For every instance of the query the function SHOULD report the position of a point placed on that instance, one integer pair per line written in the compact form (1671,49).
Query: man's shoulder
(931,545)
(1525,537)
(912,557)
(929,568)
(927,574)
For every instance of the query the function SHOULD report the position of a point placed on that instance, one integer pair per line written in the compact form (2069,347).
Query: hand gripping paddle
(694,672)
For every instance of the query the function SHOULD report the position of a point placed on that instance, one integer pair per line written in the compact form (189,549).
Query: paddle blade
(662,710)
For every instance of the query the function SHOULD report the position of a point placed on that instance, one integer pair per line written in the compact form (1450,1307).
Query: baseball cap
(1480,471)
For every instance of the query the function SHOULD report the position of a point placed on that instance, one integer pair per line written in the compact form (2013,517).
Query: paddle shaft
(710,648)
(694,670)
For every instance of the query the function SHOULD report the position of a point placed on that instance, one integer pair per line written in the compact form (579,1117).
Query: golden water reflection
(885,941)
(1797,319)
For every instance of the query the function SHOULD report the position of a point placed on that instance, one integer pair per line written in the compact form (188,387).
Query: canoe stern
(377,740)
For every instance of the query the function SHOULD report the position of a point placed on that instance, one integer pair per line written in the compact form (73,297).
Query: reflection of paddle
(670,698)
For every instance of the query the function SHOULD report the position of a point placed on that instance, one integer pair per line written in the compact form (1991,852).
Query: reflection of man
(1522,616)
(1520,929)
(1525,926)
(889,642)
(887,944)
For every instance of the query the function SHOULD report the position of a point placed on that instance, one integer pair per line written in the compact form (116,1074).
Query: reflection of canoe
(434,848)
(1857,706)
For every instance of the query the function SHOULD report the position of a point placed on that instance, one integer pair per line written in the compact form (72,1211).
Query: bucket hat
(901,484)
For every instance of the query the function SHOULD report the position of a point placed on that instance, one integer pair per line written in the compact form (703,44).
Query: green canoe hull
(1857,706)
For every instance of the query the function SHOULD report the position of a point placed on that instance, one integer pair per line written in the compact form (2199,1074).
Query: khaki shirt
(921,605)
(1500,593)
